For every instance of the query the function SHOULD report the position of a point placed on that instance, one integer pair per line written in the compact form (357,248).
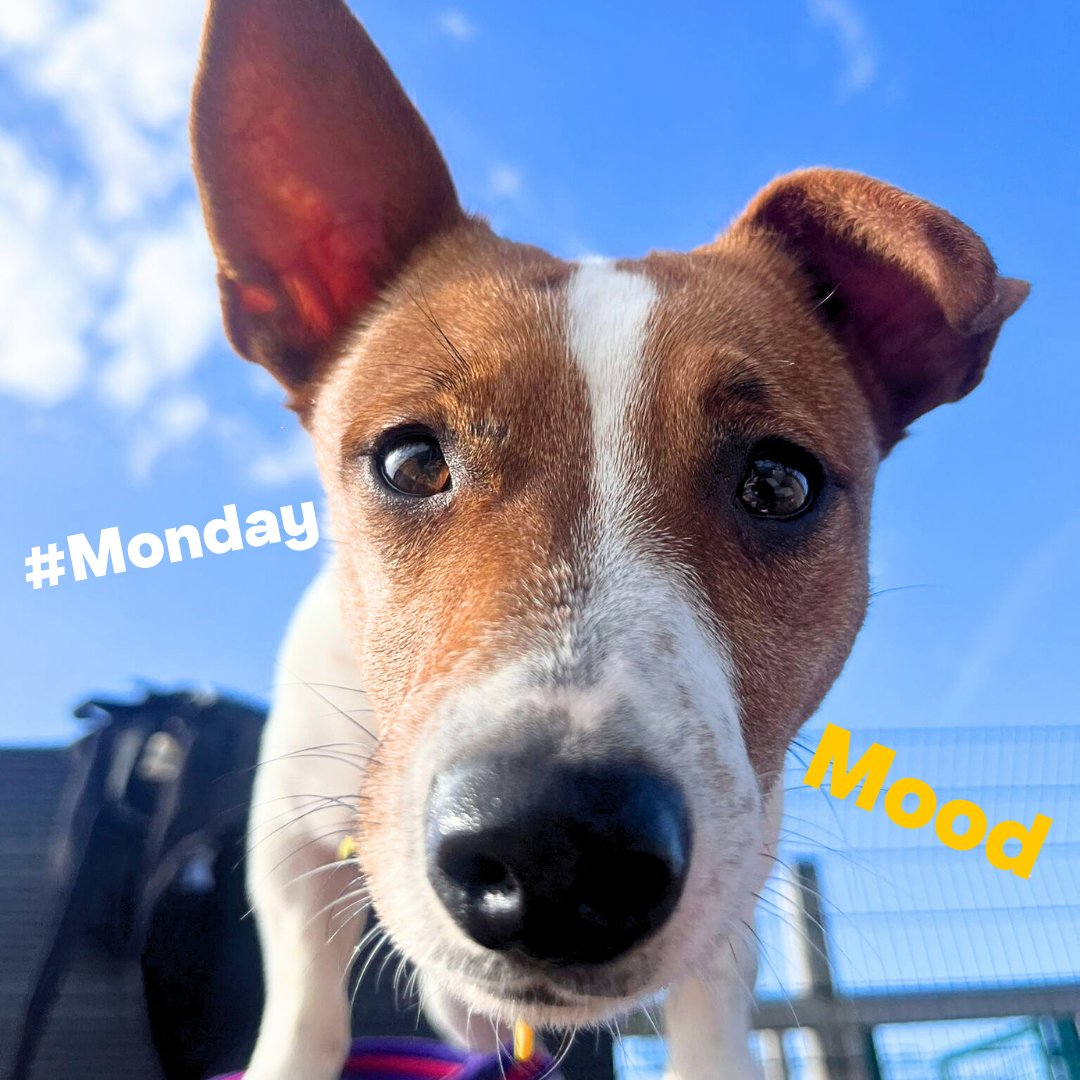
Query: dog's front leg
(707,1019)
(310,905)
(307,939)
(707,1015)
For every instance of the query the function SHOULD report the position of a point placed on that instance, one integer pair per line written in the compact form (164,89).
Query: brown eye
(776,486)
(413,464)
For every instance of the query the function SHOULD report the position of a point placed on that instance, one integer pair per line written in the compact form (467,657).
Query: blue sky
(120,403)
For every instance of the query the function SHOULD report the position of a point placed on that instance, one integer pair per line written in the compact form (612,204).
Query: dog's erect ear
(318,178)
(912,293)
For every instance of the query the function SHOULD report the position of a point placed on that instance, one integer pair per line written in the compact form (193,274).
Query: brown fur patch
(736,358)
(471,345)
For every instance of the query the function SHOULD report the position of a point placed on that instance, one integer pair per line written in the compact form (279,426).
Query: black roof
(98,1029)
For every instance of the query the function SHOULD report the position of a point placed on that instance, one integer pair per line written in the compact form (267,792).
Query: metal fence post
(843,1040)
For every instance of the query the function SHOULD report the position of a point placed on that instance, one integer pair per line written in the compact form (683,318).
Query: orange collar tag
(524,1041)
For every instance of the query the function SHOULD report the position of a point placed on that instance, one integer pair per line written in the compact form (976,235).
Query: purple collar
(424,1059)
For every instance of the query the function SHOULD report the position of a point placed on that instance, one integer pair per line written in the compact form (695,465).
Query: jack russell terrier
(601,539)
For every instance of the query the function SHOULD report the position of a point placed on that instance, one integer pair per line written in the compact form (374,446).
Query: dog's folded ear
(911,292)
(318,177)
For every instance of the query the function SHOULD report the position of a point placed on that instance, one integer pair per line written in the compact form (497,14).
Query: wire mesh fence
(940,966)
(963,1051)
(904,912)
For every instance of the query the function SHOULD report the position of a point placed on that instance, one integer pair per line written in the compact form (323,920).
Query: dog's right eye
(412,463)
(780,481)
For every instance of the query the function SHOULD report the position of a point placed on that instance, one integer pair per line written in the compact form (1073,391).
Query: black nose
(568,864)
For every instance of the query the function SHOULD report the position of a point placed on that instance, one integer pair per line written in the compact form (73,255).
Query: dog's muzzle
(563,864)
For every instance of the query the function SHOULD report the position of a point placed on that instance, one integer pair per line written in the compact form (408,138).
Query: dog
(601,548)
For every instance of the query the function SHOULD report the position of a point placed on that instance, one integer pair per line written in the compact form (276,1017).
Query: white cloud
(26,24)
(295,460)
(1009,618)
(849,28)
(52,273)
(286,456)
(105,268)
(505,181)
(120,72)
(167,314)
(170,423)
(456,24)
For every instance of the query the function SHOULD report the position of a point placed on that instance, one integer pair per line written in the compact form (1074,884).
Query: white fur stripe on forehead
(607,326)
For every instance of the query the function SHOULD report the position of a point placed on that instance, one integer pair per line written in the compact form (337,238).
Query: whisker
(383,965)
(648,1014)
(748,990)
(352,914)
(336,708)
(563,1053)
(763,953)
(321,838)
(317,870)
(382,939)
(345,898)
(460,363)
(296,821)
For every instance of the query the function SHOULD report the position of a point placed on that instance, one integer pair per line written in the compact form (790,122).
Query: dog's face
(602,527)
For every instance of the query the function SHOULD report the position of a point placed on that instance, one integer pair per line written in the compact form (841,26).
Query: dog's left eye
(413,464)
(779,483)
